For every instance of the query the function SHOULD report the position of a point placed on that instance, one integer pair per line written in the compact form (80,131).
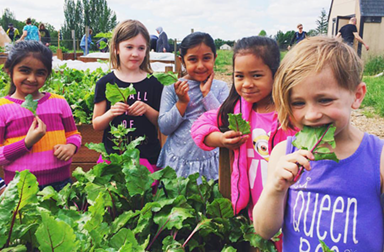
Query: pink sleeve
(203,126)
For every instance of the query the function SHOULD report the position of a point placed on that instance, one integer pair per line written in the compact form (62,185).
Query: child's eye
(297,104)
(142,48)
(238,76)
(207,58)
(257,75)
(325,100)
(192,59)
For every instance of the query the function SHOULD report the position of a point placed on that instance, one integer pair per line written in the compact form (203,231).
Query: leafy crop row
(114,207)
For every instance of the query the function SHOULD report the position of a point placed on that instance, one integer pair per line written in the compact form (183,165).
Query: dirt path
(372,124)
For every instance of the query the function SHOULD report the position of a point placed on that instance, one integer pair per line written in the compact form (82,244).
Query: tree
(93,13)
(263,33)
(283,39)
(322,23)
(9,17)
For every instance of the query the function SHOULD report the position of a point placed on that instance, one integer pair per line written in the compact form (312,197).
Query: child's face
(253,79)
(319,100)
(199,62)
(29,76)
(132,52)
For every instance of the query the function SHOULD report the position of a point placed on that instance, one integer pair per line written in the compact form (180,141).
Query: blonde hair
(312,56)
(126,30)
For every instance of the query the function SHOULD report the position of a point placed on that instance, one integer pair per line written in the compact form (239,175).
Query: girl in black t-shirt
(129,57)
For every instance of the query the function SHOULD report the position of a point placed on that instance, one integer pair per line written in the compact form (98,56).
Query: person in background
(13,32)
(44,34)
(153,42)
(43,143)
(30,32)
(89,42)
(129,57)
(320,83)
(184,101)
(298,36)
(162,42)
(349,33)
(102,42)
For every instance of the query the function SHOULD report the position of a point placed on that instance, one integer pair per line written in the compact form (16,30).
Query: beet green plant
(113,207)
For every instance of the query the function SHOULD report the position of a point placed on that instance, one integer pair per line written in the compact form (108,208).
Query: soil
(374,124)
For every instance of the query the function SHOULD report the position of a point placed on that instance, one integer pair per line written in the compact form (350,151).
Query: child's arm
(172,110)
(213,100)
(101,118)
(268,213)
(229,139)
(13,151)
(139,108)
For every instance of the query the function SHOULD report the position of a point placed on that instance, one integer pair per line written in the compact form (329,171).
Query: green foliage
(220,42)
(375,94)
(237,123)
(113,207)
(30,104)
(115,94)
(317,140)
(263,33)
(374,65)
(165,78)
(283,39)
(223,61)
(322,23)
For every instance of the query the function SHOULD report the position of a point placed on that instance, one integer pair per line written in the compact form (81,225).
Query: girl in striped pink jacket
(45,143)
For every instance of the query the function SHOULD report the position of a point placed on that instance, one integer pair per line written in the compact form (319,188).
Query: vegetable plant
(237,123)
(165,78)
(30,104)
(317,140)
(113,207)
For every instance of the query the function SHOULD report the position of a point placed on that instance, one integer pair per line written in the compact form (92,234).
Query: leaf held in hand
(165,78)
(314,138)
(30,104)
(237,123)
(115,94)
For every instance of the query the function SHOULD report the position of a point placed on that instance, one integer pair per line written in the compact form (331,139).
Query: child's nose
(31,77)
(312,113)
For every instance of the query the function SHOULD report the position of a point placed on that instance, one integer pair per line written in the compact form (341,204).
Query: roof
(372,8)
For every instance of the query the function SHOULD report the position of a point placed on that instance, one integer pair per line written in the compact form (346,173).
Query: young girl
(130,61)
(43,144)
(183,102)
(255,61)
(319,83)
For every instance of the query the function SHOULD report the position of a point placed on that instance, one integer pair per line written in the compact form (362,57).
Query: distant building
(370,22)
(225,47)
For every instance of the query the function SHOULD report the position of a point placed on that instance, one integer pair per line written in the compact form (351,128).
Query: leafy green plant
(116,94)
(113,207)
(30,104)
(237,123)
(316,140)
(375,94)
(165,78)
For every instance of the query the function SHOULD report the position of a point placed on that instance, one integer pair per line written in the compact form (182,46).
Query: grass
(224,61)
(374,65)
(375,92)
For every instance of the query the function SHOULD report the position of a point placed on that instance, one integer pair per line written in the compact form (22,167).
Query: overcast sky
(225,19)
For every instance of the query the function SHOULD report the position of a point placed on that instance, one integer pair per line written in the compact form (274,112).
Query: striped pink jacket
(15,121)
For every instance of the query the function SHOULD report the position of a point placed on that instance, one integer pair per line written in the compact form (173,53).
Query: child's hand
(288,166)
(138,108)
(118,108)
(205,87)
(35,132)
(233,139)
(64,151)
(181,89)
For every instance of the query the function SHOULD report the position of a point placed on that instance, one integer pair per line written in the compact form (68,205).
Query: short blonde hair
(126,30)
(299,25)
(310,56)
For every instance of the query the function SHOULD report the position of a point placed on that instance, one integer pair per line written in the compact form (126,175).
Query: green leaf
(220,208)
(30,104)
(325,247)
(237,123)
(54,235)
(317,140)
(165,78)
(137,179)
(256,240)
(115,94)
(228,248)
(18,248)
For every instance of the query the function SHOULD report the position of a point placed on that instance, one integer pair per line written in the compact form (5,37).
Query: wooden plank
(225,172)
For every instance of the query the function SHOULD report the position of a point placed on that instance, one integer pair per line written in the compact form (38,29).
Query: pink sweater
(15,121)
(207,123)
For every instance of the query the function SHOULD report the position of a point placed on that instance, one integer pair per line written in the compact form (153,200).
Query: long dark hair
(22,50)
(195,39)
(262,47)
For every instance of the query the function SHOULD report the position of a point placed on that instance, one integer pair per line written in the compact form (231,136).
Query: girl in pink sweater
(43,144)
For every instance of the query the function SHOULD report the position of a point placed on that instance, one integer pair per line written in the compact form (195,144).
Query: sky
(224,19)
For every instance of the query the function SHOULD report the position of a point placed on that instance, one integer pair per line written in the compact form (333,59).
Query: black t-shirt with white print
(148,91)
